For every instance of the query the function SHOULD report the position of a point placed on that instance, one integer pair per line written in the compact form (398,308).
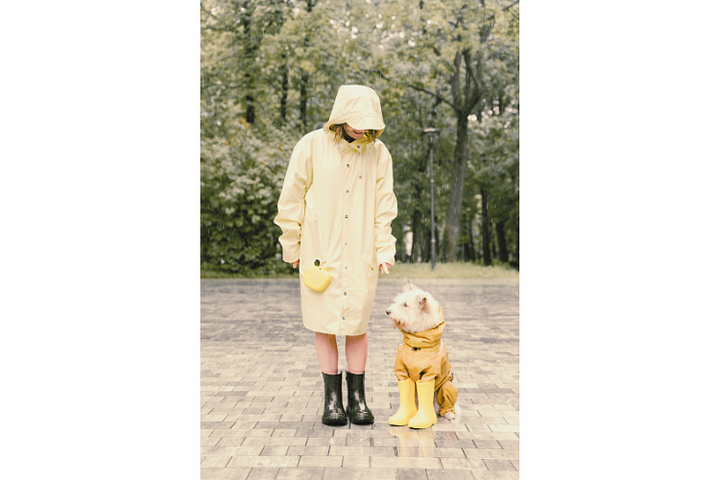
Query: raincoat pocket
(316,278)
(368,261)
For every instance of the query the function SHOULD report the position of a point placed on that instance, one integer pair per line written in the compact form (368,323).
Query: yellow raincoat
(423,357)
(336,206)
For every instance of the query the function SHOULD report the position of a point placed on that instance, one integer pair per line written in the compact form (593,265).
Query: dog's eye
(405,304)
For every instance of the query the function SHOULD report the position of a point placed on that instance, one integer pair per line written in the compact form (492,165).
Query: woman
(336,206)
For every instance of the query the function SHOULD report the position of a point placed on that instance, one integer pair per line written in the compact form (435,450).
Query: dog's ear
(408,285)
(424,304)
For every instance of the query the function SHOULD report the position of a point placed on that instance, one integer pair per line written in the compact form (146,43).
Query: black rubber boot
(334,413)
(358,410)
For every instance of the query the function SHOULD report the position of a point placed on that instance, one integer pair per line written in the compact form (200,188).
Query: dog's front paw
(449,415)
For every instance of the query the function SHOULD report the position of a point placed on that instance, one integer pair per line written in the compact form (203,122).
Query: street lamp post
(431,136)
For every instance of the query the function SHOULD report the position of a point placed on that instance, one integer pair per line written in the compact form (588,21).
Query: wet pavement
(261,388)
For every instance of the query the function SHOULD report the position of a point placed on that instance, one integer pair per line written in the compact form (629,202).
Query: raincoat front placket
(351,157)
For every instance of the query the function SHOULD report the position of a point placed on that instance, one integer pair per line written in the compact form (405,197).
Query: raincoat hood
(359,107)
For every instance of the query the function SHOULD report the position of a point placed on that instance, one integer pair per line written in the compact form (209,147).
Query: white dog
(422,360)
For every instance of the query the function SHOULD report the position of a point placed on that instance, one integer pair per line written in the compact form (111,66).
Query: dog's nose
(387,312)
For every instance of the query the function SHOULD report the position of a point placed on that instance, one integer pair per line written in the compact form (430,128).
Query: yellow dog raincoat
(423,357)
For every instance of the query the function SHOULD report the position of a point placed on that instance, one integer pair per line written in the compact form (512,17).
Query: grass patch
(283,271)
(400,270)
(451,270)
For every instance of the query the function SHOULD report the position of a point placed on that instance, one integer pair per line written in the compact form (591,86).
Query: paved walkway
(261,388)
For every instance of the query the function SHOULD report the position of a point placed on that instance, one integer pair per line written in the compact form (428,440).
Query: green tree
(443,48)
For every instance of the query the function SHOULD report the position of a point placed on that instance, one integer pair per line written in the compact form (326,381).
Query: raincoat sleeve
(385,210)
(291,205)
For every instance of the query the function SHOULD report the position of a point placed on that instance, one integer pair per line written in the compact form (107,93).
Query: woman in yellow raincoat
(336,206)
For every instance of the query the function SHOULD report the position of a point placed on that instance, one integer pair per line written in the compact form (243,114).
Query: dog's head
(414,310)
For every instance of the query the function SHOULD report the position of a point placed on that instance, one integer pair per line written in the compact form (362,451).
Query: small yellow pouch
(316,278)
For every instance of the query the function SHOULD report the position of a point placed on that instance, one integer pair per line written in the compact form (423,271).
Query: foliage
(270,70)
(241,178)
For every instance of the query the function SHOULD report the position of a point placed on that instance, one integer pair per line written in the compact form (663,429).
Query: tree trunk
(466,96)
(452,229)
(469,247)
(517,246)
(502,243)
(248,60)
(284,88)
(493,241)
(418,236)
(250,110)
(304,78)
(487,254)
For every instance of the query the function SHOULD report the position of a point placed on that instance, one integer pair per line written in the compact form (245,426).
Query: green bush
(241,179)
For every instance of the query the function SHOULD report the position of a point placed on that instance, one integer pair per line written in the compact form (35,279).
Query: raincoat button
(346,216)
(345,243)
(345,267)
(345,294)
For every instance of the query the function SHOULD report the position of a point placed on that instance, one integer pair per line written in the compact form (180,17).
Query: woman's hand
(296,263)
(385,267)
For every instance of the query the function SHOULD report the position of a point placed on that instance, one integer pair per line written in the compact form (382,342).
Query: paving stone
(386,442)
(274,450)
(356,461)
(359,441)
(263,473)
(316,450)
(499,465)
(488,435)
(504,428)
(216,425)
(494,453)
(462,463)
(457,443)
(232,450)
(450,475)
(404,462)
(231,433)
(209,442)
(321,461)
(509,444)
(365,451)
(215,461)
(442,452)
(485,444)
(327,433)
(216,473)
(494,475)
(300,473)
(314,441)
(353,473)
(267,461)
(412,474)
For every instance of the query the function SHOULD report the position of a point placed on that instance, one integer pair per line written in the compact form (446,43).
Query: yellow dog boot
(425,416)
(407,408)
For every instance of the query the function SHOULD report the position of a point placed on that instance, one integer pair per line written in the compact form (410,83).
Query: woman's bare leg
(356,351)
(327,353)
